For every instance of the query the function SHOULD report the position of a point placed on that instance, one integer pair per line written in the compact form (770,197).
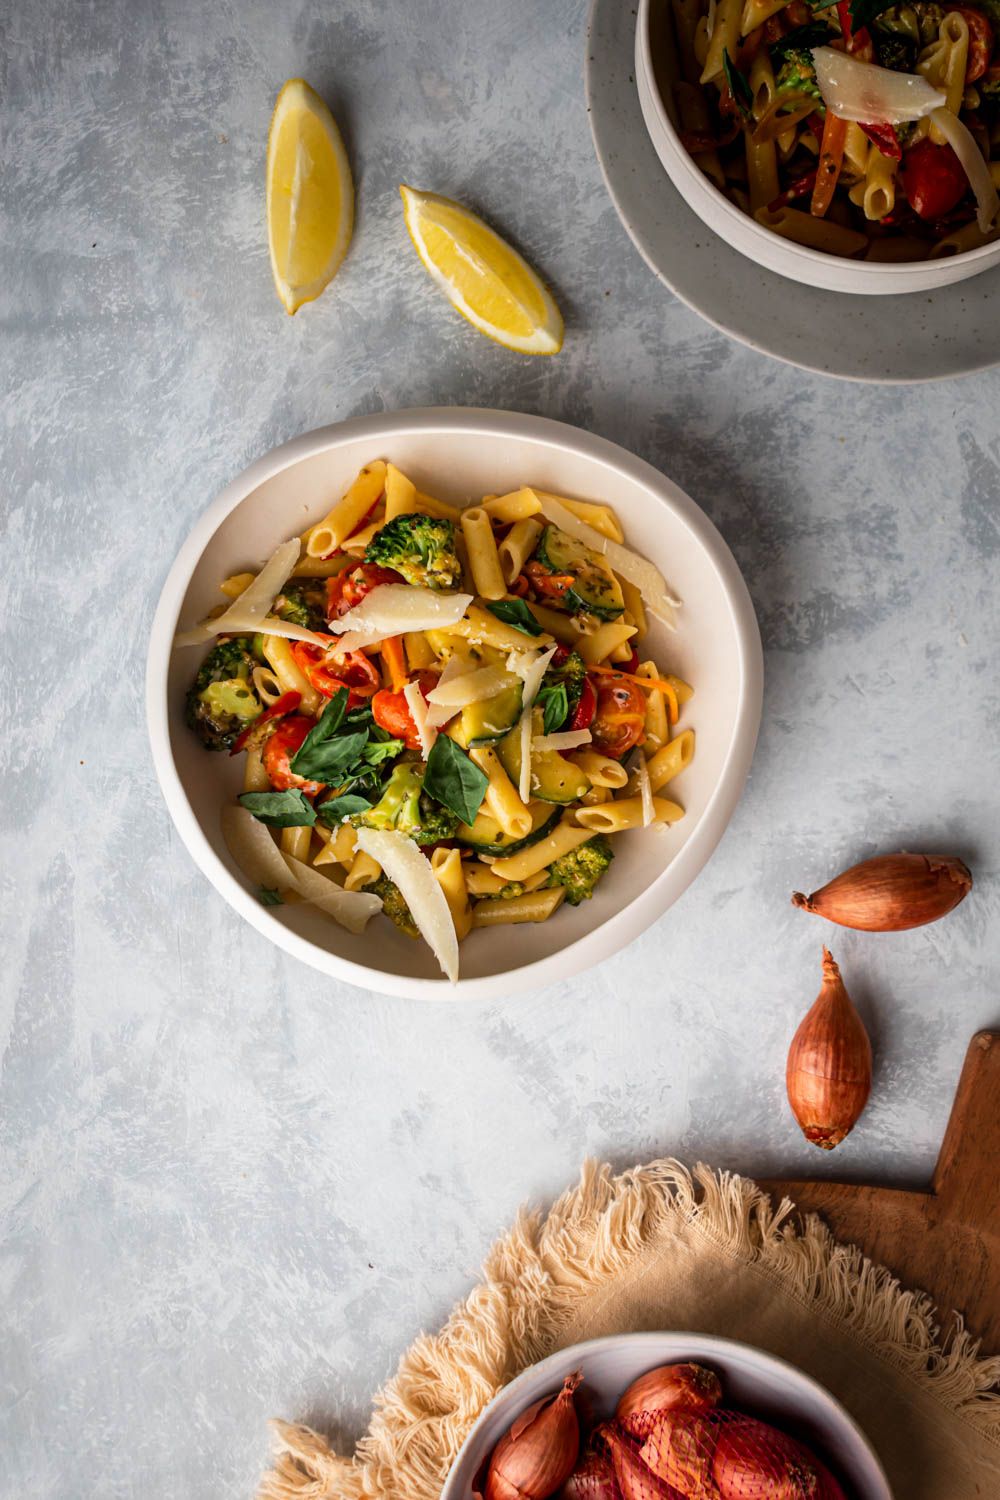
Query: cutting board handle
(972,1141)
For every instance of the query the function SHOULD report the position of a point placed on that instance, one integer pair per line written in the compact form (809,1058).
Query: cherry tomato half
(620,721)
(933,179)
(280,748)
(391,712)
(586,708)
(980,41)
(286,704)
(328,674)
(346,589)
(549,585)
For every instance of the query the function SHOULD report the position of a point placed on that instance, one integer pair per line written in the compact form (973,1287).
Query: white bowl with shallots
(647,1416)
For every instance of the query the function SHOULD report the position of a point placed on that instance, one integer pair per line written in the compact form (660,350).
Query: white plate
(752,1380)
(926,336)
(459,454)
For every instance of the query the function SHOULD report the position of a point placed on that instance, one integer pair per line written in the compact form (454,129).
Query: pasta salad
(853,127)
(443,713)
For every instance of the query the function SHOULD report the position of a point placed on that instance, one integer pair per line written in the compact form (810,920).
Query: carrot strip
(831,159)
(395,660)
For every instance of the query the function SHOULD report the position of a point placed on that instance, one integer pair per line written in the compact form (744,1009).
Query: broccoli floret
(303,602)
(797,76)
(221,700)
(405,807)
(393,905)
(420,548)
(511,889)
(581,869)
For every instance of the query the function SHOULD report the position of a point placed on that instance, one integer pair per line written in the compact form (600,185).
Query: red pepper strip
(885,138)
(586,708)
(286,704)
(698,142)
(797,189)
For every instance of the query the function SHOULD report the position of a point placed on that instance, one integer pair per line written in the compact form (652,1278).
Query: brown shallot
(754,1461)
(891,892)
(829,1070)
(539,1452)
(592,1479)
(669,1386)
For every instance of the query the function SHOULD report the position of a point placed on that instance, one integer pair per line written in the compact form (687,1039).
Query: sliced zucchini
(487,837)
(486,722)
(553,777)
(595,590)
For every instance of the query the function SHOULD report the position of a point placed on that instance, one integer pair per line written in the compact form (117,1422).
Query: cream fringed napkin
(661,1248)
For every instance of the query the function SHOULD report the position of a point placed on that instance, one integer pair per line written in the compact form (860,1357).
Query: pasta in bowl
(849,145)
(444,704)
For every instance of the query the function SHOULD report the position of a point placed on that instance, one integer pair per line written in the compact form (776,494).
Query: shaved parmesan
(645,792)
(524,780)
(395,609)
(962,142)
(868,94)
(248,614)
(417,704)
(438,714)
(411,871)
(638,570)
(566,739)
(471,687)
(530,667)
(261,861)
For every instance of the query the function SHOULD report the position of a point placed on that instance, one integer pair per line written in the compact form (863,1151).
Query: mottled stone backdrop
(232,1187)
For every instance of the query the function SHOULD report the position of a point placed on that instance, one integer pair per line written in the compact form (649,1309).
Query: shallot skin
(828,1074)
(891,892)
(688,1385)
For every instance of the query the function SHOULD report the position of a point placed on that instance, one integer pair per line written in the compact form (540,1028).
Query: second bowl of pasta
(854,146)
(452,702)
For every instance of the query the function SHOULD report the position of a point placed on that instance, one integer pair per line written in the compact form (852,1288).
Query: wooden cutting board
(945,1241)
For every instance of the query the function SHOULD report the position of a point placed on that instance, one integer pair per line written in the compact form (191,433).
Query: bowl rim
(893,272)
(610,936)
(653,1337)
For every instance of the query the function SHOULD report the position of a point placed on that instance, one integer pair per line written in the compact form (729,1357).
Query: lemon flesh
(310,195)
(481,275)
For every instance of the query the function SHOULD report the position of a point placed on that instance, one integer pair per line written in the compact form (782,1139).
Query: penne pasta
(295,842)
(255,778)
(288,674)
(516,547)
(599,644)
(600,770)
(671,759)
(566,837)
(627,812)
(657,726)
(725,36)
(502,801)
(348,513)
(817,234)
(481,547)
(601,517)
(363,871)
(419,651)
(236,585)
(400,494)
(517,506)
(634,608)
(447,867)
(536,906)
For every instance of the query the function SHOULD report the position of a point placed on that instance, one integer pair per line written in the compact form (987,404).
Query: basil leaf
(270,898)
(324,728)
(454,780)
(291,809)
(554,701)
(803,38)
(335,809)
(515,612)
(739,85)
(331,760)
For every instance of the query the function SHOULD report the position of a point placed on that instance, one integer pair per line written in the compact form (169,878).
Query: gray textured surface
(230,1187)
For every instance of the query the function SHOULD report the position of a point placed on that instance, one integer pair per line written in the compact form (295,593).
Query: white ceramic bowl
(654,47)
(756,1382)
(459,454)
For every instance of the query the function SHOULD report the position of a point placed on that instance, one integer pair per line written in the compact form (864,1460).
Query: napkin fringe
(532,1280)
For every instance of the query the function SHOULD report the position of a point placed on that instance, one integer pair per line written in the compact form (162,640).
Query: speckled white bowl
(459,454)
(752,1380)
(654,39)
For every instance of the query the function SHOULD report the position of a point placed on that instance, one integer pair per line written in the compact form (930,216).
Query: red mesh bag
(713,1455)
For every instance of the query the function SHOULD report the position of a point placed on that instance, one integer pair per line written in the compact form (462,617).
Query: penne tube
(600,770)
(502,801)
(969,237)
(536,906)
(616,817)
(481,881)
(601,517)
(363,871)
(561,627)
(623,653)
(517,546)
(359,541)
(348,513)
(485,629)
(233,587)
(687,14)
(670,759)
(762,172)
(694,116)
(400,494)
(596,795)
(447,867)
(657,726)
(255,778)
(295,842)
(898,247)
(428,506)
(756,12)
(322,567)
(817,234)
(419,651)
(286,669)
(595,647)
(481,548)
(566,837)
(683,690)
(517,506)
(857,148)
(880,185)
(266,685)
(725,35)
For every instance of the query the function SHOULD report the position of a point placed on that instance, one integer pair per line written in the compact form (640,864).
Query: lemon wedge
(481,275)
(310,195)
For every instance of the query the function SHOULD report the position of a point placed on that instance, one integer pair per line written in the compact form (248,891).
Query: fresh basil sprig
(739,85)
(342,748)
(454,780)
(515,612)
(554,703)
(335,809)
(291,809)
